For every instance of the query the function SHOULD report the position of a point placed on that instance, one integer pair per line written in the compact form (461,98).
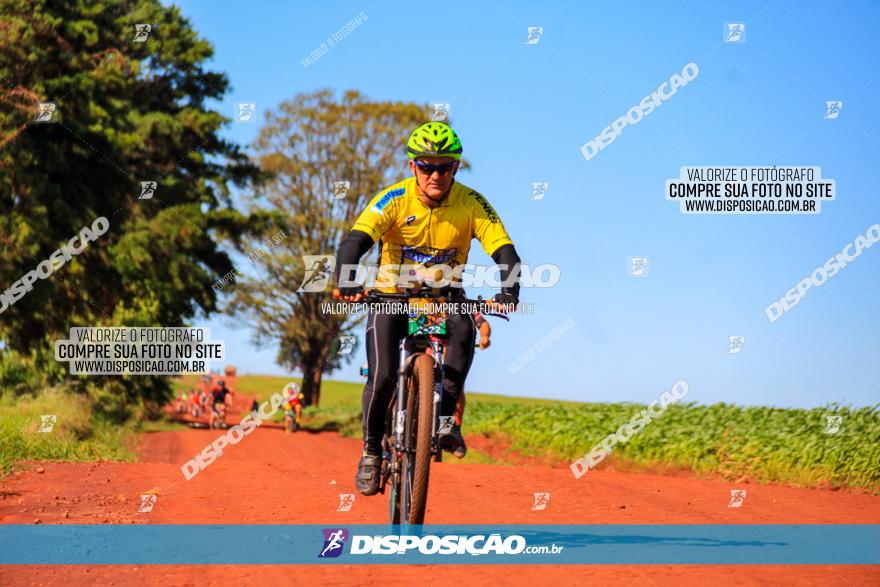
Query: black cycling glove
(505,299)
(506,257)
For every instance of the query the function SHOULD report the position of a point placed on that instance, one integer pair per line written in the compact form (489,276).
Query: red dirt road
(271,477)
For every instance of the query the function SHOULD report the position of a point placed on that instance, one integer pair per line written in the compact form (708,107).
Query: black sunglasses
(429,169)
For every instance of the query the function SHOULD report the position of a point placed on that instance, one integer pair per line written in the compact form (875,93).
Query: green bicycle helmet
(433,139)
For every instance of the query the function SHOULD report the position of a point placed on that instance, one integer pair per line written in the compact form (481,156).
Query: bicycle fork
(437,355)
(401,439)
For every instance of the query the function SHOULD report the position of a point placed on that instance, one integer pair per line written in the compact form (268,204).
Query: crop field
(765,444)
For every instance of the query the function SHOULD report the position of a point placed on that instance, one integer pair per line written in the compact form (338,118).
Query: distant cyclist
(220,400)
(197,397)
(205,400)
(424,220)
(180,405)
(293,409)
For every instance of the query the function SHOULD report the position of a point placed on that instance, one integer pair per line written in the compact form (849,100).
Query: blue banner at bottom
(439,544)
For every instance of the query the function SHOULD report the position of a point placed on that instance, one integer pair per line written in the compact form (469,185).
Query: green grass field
(765,444)
(75,435)
(347,393)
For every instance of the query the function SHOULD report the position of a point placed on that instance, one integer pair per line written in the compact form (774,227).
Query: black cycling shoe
(368,474)
(453,442)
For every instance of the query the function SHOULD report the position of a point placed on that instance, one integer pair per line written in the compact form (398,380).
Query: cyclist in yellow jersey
(412,232)
(424,220)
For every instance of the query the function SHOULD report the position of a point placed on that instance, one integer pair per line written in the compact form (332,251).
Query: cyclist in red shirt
(293,408)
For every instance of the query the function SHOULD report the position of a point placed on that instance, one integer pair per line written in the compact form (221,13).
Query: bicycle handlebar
(484,306)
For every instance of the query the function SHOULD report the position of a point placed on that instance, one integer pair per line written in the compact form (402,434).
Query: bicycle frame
(400,444)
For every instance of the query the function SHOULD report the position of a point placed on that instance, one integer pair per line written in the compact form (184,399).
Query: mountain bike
(414,426)
(291,421)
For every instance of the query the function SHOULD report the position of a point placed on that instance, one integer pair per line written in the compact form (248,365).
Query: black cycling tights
(384,332)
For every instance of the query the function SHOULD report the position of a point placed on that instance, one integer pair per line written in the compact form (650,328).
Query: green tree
(127,111)
(311,142)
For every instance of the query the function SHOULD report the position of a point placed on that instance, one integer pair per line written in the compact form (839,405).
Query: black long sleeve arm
(506,257)
(351,249)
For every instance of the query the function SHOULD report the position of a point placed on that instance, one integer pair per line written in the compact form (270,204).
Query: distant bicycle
(196,410)
(218,416)
(291,422)
(220,398)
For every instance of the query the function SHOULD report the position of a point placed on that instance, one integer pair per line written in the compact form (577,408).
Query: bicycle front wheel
(418,462)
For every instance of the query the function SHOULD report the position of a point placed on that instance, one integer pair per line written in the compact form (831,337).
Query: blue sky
(523,111)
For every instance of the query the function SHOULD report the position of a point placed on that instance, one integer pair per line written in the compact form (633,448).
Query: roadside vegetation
(760,443)
(732,442)
(721,440)
(77,432)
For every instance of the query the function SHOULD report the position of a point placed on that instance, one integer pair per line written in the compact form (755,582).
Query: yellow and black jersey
(412,233)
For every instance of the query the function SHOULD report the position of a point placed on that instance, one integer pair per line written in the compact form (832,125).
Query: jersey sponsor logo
(428,255)
(387,198)
(410,219)
(490,213)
